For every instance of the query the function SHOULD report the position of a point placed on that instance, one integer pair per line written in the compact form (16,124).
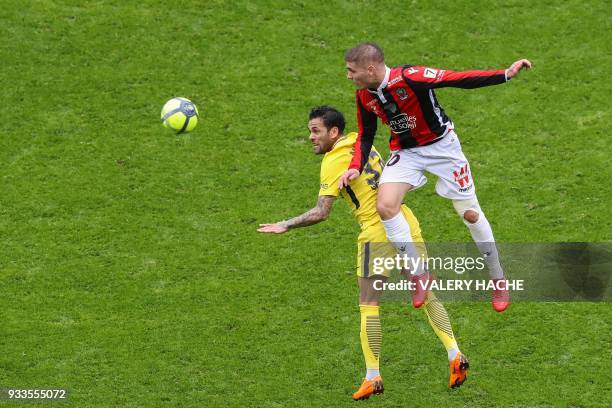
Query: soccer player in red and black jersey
(422,139)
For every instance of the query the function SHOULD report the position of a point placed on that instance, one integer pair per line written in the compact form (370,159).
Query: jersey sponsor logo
(412,71)
(462,177)
(394,80)
(401,93)
(430,73)
(402,123)
(324,186)
(412,122)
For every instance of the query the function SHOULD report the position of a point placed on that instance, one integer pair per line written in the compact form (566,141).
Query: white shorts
(444,159)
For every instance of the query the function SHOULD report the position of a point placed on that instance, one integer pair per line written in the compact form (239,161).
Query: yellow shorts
(373,244)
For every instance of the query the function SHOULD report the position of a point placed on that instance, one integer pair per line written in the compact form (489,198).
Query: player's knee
(387,209)
(468,209)
(369,291)
(471,216)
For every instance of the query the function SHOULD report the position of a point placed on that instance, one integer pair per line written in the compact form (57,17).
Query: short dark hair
(365,52)
(330,116)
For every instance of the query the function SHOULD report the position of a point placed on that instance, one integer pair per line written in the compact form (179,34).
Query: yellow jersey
(360,194)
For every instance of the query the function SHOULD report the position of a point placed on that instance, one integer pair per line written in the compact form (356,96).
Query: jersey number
(374,175)
(372,179)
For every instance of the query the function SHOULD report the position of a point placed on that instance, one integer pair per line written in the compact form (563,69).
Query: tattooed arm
(313,216)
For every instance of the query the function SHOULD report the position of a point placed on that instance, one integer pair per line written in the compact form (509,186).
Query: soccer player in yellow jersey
(326,126)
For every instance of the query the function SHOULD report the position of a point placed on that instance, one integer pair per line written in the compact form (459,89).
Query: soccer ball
(180,115)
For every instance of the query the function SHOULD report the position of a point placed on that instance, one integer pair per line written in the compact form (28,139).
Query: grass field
(131,271)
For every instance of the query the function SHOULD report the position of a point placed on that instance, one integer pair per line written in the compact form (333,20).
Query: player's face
(362,75)
(321,138)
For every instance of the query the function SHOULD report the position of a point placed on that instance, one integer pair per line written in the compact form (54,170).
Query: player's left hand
(347,177)
(516,67)
(278,228)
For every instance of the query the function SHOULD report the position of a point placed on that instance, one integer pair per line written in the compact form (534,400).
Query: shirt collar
(336,142)
(385,81)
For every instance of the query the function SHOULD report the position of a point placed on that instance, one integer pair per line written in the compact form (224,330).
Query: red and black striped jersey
(406,102)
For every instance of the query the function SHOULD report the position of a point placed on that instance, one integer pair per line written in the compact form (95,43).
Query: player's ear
(333,132)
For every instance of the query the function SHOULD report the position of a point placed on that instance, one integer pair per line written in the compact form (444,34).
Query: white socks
(371,373)
(398,232)
(452,353)
(483,237)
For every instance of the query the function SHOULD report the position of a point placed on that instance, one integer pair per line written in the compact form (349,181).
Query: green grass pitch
(131,272)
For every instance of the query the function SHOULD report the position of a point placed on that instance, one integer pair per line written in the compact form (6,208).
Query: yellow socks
(371,338)
(438,319)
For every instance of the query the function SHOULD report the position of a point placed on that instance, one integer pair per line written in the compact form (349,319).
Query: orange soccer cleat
(422,284)
(458,371)
(500,298)
(369,387)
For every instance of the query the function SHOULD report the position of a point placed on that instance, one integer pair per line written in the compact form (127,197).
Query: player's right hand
(278,228)
(516,67)
(347,177)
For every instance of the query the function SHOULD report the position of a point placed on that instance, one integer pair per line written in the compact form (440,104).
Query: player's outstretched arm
(516,67)
(313,216)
